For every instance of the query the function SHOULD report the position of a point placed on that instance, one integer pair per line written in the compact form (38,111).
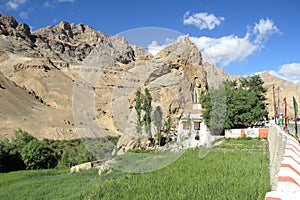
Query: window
(185,125)
(196,125)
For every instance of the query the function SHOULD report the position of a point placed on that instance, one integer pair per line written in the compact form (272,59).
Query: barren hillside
(68,80)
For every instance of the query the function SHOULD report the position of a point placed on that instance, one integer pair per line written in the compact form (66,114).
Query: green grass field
(237,169)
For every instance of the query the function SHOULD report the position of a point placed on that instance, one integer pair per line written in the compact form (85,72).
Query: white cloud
(289,72)
(224,50)
(23,15)
(275,73)
(263,30)
(15,4)
(202,20)
(227,49)
(231,48)
(154,48)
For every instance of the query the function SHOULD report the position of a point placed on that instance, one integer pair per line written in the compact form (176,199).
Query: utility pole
(278,103)
(274,102)
(285,114)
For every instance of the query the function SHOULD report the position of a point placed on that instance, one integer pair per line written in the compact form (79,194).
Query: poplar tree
(157,120)
(138,108)
(168,124)
(147,107)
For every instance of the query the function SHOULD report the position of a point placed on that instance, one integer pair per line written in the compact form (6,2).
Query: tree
(168,124)
(234,104)
(215,103)
(157,120)
(10,152)
(147,107)
(138,109)
(73,156)
(254,85)
(22,138)
(36,155)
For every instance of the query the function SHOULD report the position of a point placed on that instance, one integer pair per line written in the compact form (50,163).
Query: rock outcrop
(215,75)
(68,42)
(73,76)
(282,88)
(169,76)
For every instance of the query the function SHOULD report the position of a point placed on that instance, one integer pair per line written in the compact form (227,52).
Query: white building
(192,131)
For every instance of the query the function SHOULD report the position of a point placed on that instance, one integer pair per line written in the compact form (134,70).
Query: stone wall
(284,152)
(277,142)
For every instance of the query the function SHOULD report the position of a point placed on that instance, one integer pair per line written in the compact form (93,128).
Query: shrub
(36,155)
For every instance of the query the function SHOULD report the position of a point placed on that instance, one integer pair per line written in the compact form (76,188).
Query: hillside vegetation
(237,169)
(27,152)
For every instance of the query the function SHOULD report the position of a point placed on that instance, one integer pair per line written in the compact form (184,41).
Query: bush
(26,152)
(9,161)
(38,156)
(10,152)
(74,155)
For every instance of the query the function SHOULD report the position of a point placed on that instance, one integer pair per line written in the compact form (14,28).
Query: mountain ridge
(53,62)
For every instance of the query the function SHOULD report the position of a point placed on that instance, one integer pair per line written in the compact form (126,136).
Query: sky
(241,36)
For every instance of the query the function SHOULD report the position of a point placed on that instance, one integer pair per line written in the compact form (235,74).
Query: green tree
(215,103)
(73,152)
(254,85)
(147,107)
(36,155)
(22,138)
(138,109)
(10,152)
(157,120)
(234,104)
(168,124)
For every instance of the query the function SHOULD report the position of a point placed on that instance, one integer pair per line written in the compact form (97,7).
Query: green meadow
(237,169)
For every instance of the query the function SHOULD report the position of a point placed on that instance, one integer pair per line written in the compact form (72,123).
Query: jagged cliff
(68,76)
(68,42)
(53,62)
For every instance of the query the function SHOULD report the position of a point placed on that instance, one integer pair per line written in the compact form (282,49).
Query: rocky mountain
(282,88)
(69,81)
(68,42)
(89,79)
(21,108)
(43,64)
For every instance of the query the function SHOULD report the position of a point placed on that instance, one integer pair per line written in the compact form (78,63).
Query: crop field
(236,169)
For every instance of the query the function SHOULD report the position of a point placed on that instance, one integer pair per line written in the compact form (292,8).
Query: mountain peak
(64,25)
(65,41)
(181,51)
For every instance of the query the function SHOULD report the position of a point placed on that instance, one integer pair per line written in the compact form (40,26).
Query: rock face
(68,42)
(62,77)
(215,76)
(169,76)
(282,88)
(22,109)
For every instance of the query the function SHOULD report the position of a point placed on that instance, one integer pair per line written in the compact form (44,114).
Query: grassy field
(237,169)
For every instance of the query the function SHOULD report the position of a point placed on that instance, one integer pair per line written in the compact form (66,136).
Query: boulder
(105,167)
(80,167)
(128,142)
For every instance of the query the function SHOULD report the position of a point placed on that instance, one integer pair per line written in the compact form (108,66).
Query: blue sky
(242,36)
